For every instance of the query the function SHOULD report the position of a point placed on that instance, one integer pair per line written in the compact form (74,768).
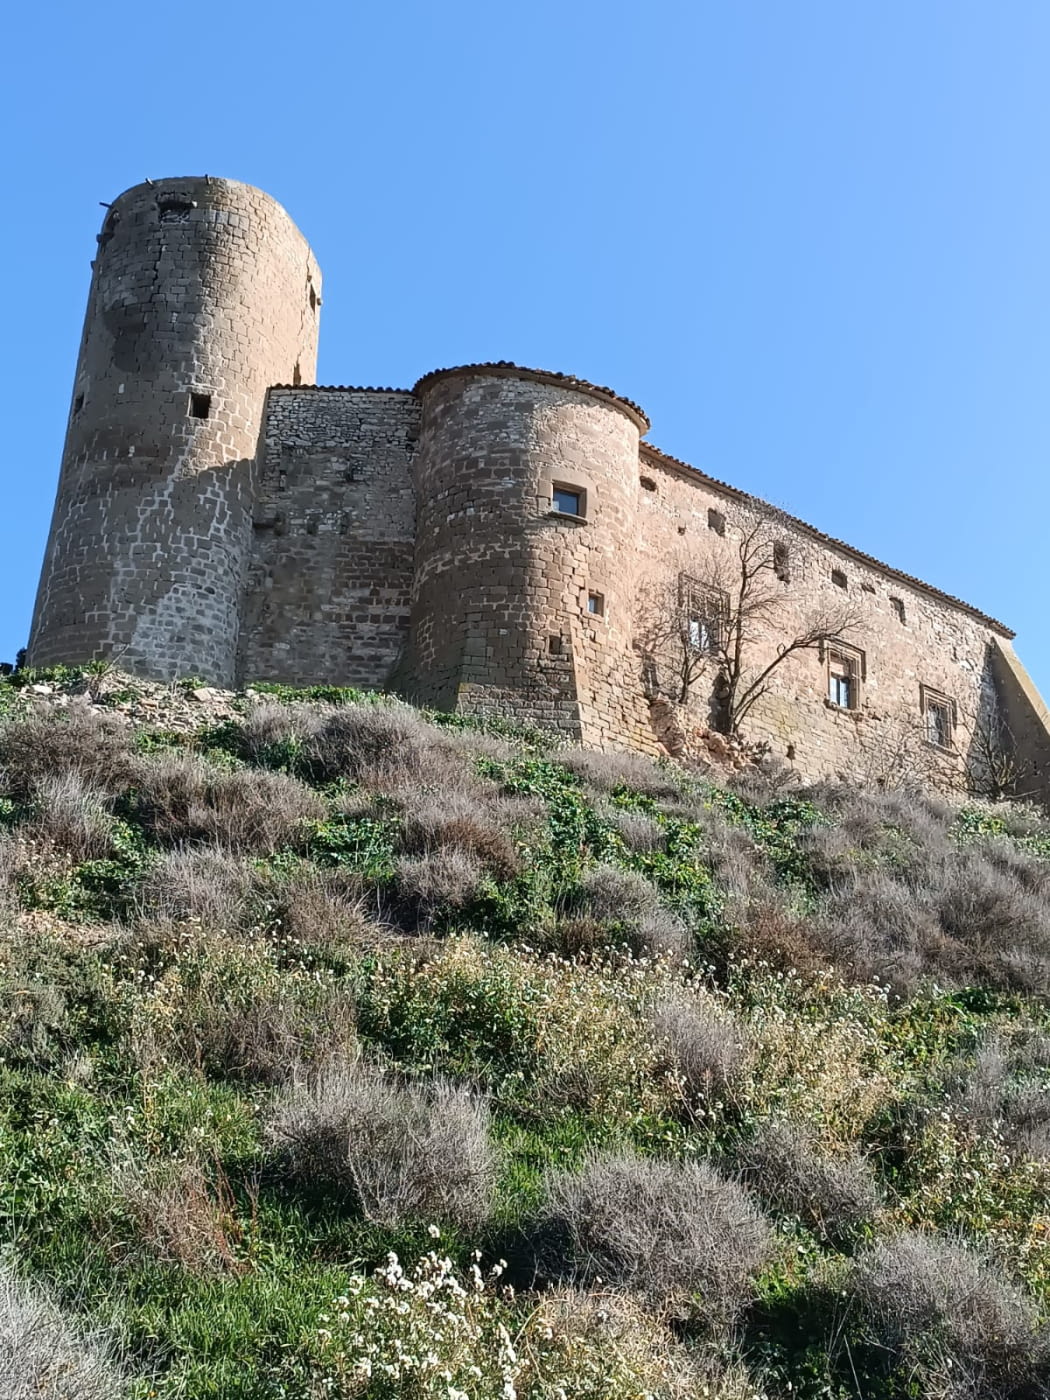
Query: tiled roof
(506,369)
(676,463)
(344,388)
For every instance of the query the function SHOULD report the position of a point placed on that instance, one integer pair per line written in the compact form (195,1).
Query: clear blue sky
(812,238)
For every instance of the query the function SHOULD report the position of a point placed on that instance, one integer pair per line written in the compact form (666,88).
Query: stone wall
(204,294)
(909,643)
(330,576)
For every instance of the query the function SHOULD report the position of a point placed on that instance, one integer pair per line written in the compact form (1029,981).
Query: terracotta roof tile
(506,369)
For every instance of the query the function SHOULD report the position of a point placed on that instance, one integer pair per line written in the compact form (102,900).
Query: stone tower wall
(500,617)
(201,287)
(333,545)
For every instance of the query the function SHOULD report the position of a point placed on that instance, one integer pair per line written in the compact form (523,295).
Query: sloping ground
(348,1051)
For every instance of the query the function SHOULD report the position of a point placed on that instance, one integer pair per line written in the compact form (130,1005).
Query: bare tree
(996,768)
(708,623)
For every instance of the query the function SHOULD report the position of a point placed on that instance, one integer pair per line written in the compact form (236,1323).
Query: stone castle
(495,539)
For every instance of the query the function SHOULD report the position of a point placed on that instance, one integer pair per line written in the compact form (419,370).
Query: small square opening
(566,501)
(716,521)
(200,405)
(596,604)
(554,645)
(838,578)
(647,483)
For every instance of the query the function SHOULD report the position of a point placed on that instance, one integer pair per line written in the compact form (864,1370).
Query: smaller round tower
(204,294)
(527,486)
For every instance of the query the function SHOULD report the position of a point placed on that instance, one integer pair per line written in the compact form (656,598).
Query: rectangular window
(566,501)
(843,680)
(782,561)
(596,604)
(200,405)
(705,611)
(838,578)
(938,713)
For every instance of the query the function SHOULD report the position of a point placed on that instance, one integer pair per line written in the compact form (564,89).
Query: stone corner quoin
(494,540)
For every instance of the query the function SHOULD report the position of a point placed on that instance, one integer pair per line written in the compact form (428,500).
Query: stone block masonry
(491,540)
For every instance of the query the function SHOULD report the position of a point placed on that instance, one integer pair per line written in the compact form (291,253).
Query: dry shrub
(444,880)
(596,1340)
(664,1229)
(704,1045)
(834,1196)
(762,782)
(766,929)
(944,1317)
(10,864)
(72,815)
(183,798)
(628,908)
(1008,1091)
(203,884)
(315,906)
(229,1010)
(79,740)
(637,830)
(632,771)
(1001,931)
(183,1215)
(456,821)
(46,1356)
(406,1151)
(385,747)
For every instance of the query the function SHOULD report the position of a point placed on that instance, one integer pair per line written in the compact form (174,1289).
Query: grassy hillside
(351,1051)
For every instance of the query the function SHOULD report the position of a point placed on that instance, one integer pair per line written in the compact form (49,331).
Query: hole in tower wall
(297,374)
(78,404)
(200,405)
(175,208)
(313,299)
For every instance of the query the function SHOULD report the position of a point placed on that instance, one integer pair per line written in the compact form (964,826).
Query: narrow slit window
(313,298)
(78,404)
(200,405)
(897,604)
(782,561)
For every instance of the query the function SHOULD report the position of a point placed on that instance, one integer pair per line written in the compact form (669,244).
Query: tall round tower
(204,295)
(527,487)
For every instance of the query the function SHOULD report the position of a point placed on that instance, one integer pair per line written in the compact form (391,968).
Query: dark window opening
(939,717)
(838,578)
(313,298)
(554,646)
(567,502)
(596,604)
(175,208)
(297,374)
(897,604)
(782,561)
(647,483)
(790,753)
(716,521)
(78,404)
(200,405)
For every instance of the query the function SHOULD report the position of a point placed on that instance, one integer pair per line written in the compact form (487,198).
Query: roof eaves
(847,549)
